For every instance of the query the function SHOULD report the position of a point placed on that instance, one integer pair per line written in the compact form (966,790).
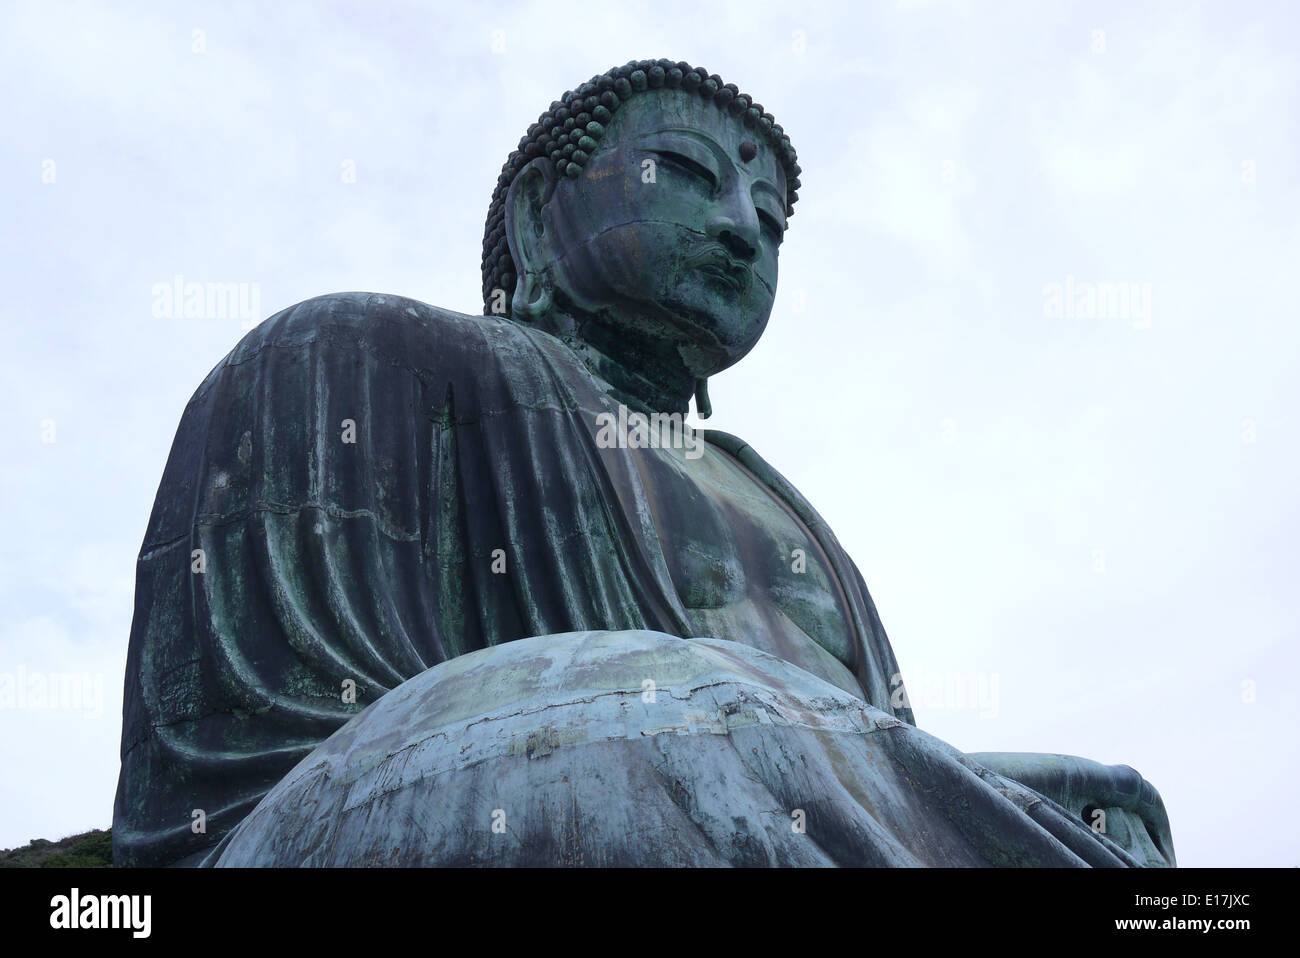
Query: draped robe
(342,495)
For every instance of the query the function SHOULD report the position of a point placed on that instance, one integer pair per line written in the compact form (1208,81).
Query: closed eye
(771,225)
(690,166)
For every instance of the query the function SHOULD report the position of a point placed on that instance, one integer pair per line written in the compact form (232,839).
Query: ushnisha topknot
(571,129)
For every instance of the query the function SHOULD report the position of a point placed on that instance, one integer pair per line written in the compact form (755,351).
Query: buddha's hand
(1113,800)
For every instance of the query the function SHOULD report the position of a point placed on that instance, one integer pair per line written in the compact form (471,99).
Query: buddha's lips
(718,263)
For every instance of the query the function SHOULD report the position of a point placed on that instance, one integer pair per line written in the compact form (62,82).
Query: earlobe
(526,235)
(534,293)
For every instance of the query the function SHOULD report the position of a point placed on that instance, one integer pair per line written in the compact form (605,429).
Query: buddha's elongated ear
(526,234)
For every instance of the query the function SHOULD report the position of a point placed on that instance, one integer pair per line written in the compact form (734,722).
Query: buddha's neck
(642,371)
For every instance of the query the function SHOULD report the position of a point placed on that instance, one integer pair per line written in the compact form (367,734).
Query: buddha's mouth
(736,279)
(718,265)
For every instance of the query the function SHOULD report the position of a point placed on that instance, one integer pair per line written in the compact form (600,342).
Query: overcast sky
(1089,511)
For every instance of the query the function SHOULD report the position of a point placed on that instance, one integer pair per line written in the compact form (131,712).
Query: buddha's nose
(740,239)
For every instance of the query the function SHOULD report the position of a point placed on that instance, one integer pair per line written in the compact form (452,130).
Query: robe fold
(364,488)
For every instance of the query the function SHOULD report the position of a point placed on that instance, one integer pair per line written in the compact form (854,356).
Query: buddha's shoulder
(396,327)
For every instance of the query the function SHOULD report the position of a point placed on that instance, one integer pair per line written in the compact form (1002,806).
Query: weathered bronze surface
(585,634)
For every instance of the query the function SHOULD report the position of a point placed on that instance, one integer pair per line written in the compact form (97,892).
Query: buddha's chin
(711,341)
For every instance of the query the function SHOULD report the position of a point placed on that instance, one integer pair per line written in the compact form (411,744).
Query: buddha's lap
(618,748)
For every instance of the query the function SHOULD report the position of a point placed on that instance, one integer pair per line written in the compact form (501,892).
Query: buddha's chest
(743,564)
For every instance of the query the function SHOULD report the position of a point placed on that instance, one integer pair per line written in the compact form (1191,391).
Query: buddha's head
(650,202)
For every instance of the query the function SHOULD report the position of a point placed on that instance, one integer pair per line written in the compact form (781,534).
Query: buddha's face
(673,226)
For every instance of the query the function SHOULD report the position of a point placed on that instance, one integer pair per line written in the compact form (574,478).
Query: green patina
(437,554)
